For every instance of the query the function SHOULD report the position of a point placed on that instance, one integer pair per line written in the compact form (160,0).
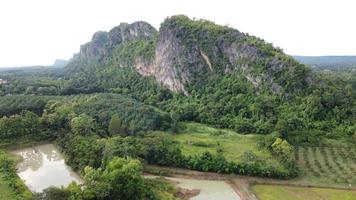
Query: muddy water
(43,166)
(209,189)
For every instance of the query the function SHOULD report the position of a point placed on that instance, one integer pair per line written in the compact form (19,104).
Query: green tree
(116,125)
(121,179)
(53,193)
(82,125)
(282,147)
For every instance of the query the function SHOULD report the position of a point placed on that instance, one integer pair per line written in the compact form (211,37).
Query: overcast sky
(39,31)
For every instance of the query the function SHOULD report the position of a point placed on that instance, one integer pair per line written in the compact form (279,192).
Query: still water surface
(43,166)
(209,189)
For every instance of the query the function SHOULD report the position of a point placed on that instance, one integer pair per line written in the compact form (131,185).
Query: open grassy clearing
(277,192)
(327,165)
(197,138)
(5,191)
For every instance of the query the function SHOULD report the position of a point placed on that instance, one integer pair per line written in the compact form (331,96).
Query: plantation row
(335,164)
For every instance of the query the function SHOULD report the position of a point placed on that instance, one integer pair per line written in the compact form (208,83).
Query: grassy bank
(278,192)
(11,186)
(6,192)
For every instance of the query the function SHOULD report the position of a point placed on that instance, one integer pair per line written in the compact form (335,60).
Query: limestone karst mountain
(184,52)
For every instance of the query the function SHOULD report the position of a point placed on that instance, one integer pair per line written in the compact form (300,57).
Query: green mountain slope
(201,71)
(184,53)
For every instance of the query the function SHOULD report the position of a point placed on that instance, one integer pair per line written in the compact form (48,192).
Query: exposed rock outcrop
(103,43)
(186,52)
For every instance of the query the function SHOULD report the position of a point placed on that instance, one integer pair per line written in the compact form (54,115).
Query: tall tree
(116,126)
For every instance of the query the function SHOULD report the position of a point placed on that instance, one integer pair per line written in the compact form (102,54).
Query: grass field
(197,138)
(5,192)
(12,188)
(327,165)
(275,192)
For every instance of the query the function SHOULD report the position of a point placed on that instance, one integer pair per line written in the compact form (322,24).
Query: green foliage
(26,125)
(97,111)
(121,179)
(8,174)
(122,147)
(40,81)
(81,151)
(116,126)
(52,193)
(126,53)
(282,147)
(11,105)
(161,149)
(82,125)
(158,188)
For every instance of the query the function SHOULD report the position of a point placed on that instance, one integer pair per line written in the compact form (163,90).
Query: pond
(43,166)
(209,189)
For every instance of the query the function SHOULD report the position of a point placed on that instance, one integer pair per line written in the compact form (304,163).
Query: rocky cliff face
(103,43)
(172,61)
(186,52)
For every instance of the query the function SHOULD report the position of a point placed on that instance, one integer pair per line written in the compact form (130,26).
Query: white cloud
(39,31)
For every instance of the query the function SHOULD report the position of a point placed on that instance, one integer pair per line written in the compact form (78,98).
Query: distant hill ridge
(333,63)
(313,60)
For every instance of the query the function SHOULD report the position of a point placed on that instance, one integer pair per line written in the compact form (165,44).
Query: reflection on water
(44,166)
(209,189)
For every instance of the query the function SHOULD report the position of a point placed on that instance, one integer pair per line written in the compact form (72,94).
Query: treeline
(11,105)
(84,114)
(41,81)
(26,125)
(111,166)
(131,115)
(120,178)
(158,149)
(232,102)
